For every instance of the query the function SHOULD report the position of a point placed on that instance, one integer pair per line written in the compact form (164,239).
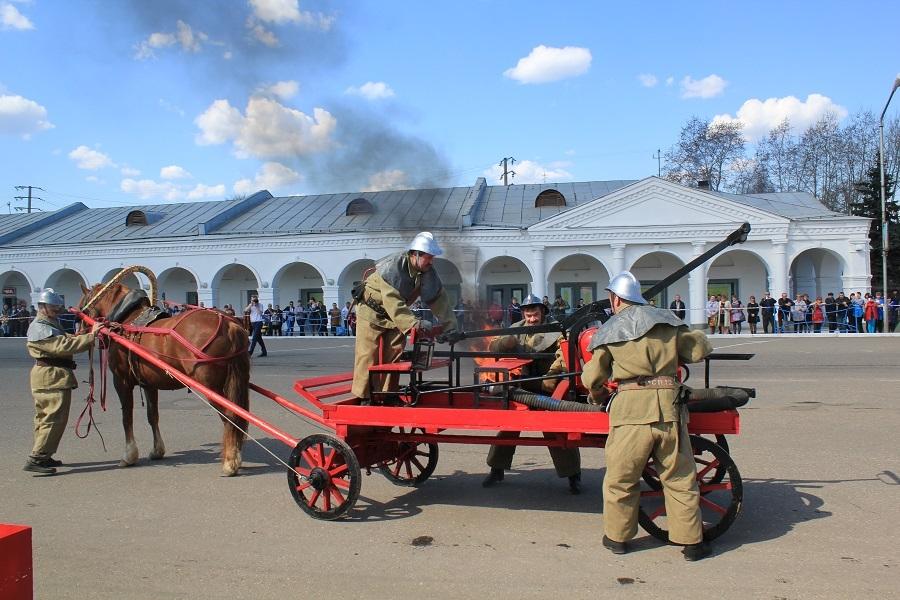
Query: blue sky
(121,102)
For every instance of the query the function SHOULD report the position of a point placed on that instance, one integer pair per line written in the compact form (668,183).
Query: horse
(218,360)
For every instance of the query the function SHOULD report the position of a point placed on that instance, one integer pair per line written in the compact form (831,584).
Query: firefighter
(567,461)
(383,311)
(641,347)
(52,379)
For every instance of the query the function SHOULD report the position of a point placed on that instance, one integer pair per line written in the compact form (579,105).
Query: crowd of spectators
(14,319)
(856,313)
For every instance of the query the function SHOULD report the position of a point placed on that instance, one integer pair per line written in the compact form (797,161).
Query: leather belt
(61,363)
(647,382)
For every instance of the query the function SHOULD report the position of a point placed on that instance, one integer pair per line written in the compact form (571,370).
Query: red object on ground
(16,580)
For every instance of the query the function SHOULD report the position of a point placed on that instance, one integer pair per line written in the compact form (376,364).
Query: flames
(484,362)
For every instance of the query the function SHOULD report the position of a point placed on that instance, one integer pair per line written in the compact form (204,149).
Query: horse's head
(98,302)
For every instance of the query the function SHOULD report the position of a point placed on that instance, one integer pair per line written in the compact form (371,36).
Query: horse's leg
(152,397)
(126,399)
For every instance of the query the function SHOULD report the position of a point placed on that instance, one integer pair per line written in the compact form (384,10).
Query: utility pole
(29,197)
(658,157)
(506,170)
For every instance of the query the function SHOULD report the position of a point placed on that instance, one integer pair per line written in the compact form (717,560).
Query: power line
(29,197)
(506,170)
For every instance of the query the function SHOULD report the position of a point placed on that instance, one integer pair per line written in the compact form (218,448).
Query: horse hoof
(157,455)
(231,468)
(125,463)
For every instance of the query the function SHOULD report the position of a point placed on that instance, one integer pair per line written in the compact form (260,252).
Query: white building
(555,239)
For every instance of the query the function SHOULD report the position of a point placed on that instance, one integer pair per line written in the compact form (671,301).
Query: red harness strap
(199,352)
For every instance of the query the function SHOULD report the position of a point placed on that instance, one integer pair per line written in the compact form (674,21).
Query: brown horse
(219,360)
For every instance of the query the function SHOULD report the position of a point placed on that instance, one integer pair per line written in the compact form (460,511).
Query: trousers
(51,415)
(628,448)
(375,346)
(566,461)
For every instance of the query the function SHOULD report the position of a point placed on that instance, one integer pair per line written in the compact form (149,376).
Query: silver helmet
(533,300)
(48,296)
(424,242)
(626,286)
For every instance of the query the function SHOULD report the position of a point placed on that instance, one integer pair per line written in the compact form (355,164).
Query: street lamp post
(884,223)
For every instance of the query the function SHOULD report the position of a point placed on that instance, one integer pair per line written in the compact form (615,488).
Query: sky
(137,102)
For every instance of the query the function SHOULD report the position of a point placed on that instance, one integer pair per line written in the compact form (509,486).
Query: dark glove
(451,337)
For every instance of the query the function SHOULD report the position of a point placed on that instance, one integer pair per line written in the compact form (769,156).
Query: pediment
(654,201)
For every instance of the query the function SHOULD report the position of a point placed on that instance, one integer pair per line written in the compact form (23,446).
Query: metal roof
(9,223)
(793,205)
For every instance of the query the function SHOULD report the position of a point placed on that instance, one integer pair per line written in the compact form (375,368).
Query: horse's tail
(237,389)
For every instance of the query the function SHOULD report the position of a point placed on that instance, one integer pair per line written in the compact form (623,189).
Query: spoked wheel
(326,477)
(414,463)
(721,493)
(651,473)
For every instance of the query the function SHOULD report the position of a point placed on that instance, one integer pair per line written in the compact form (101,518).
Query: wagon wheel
(651,475)
(720,501)
(325,479)
(414,463)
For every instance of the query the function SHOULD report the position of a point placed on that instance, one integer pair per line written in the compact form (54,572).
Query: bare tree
(705,151)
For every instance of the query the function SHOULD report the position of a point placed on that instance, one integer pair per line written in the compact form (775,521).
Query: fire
(495,369)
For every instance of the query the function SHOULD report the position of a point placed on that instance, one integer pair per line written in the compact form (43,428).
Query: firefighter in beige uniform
(383,313)
(52,379)
(567,461)
(641,347)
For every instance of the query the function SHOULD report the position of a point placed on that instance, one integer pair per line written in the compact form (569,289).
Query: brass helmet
(626,286)
(424,242)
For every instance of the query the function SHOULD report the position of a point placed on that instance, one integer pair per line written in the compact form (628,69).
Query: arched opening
(359,206)
(450,279)
(131,280)
(136,217)
(353,274)
(738,273)
(816,272)
(549,197)
(16,289)
(577,277)
(501,279)
(67,283)
(652,268)
(234,284)
(177,285)
(297,282)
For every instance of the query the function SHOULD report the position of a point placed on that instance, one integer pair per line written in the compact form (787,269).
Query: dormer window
(360,206)
(549,198)
(136,217)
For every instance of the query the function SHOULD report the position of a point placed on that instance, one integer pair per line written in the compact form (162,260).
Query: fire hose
(700,400)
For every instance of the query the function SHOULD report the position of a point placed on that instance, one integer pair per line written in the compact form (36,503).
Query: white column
(208,296)
(539,285)
(696,304)
(778,278)
(618,265)
(331,294)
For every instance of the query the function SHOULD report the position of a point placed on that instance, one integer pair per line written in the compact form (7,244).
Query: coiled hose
(701,400)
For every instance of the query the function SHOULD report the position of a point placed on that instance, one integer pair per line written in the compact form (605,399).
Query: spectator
(857,307)
(894,311)
(345,315)
(334,318)
(560,308)
(678,308)
(267,321)
(256,323)
(515,311)
(351,321)
(546,302)
(228,310)
(842,306)
(724,314)
(579,304)
(830,312)
(289,318)
(798,314)
(879,300)
(323,319)
(737,315)
(818,315)
(301,315)
(712,314)
(870,313)
(752,314)
(785,305)
(767,307)
(4,322)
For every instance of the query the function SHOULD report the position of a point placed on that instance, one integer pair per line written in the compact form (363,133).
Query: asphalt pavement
(817,454)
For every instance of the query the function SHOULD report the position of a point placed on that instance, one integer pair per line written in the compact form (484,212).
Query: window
(549,198)
(136,217)
(360,206)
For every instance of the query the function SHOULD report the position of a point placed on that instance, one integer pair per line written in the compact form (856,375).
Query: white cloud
(174,172)
(21,116)
(165,104)
(147,188)
(94,179)
(11,18)
(393,179)
(528,171)
(281,12)
(708,87)
(282,89)
(271,176)
(201,191)
(545,64)
(262,34)
(268,129)
(372,90)
(91,160)
(127,171)
(760,116)
(648,79)
(184,35)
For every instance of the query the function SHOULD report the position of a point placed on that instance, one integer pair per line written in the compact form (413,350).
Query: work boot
(495,476)
(575,484)
(54,463)
(264,354)
(699,551)
(614,546)
(41,467)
